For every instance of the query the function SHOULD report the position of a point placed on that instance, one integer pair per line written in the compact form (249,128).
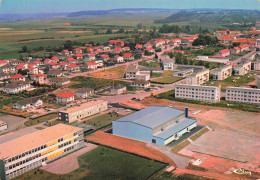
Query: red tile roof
(78,55)
(224,51)
(236,48)
(17,76)
(37,62)
(70,59)
(63,63)
(91,63)
(72,65)
(127,55)
(66,51)
(47,60)
(77,49)
(53,63)
(244,46)
(55,58)
(66,95)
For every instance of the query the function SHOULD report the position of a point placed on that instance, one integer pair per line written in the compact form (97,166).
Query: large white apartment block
(3,126)
(78,112)
(198,78)
(33,150)
(243,68)
(243,94)
(16,87)
(222,73)
(196,92)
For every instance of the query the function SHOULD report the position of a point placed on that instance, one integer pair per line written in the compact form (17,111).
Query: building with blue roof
(155,124)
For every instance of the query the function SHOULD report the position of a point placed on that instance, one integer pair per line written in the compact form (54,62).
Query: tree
(121,30)
(207,65)
(24,49)
(185,61)
(68,45)
(139,26)
(109,31)
(156,56)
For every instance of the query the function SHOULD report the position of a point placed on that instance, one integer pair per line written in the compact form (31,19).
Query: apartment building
(256,65)
(16,87)
(33,150)
(257,81)
(84,92)
(243,94)
(3,126)
(222,73)
(78,112)
(243,68)
(197,92)
(65,97)
(167,63)
(198,78)
(142,84)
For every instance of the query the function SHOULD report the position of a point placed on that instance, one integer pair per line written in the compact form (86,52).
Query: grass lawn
(166,80)
(2,114)
(103,163)
(117,72)
(39,128)
(153,63)
(164,175)
(35,121)
(55,122)
(234,81)
(155,75)
(103,120)
(168,73)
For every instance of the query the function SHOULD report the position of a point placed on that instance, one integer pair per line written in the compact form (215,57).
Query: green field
(103,120)
(42,119)
(103,163)
(166,80)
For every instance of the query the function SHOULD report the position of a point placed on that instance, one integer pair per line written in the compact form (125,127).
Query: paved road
(248,55)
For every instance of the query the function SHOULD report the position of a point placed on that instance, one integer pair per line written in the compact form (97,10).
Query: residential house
(256,65)
(91,65)
(119,59)
(28,103)
(243,94)
(8,68)
(16,87)
(41,78)
(4,76)
(224,52)
(79,56)
(77,50)
(167,63)
(91,57)
(18,77)
(243,68)
(198,78)
(128,57)
(59,80)
(119,89)
(244,47)
(65,97)
(235,50)
(55,59)
(84,92)
(55,73)
(3,127)
(142,84)
(65,53)
(63,65)
(73,68)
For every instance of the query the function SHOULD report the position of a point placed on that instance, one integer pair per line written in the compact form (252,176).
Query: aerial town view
(130,90)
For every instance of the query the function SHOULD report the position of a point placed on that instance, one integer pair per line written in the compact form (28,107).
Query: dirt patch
(129,145)
(117,72)
(70,90)
(9,109)
(5,29)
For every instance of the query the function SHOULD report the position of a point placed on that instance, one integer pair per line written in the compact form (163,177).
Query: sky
(46,6)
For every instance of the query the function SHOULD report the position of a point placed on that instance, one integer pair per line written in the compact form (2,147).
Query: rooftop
(65,94)
(82,90)
(33,140)
(82,106)
(16,84)
(152,116)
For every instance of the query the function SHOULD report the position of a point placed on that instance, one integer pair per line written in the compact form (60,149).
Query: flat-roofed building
(183,73)
(78,112)
(222,73)
(119,89)
(243,94)
(84,92)
(257,81)
(243,68)
(59,80)
(155,124)
(198,78)
(197,92)
(3,126)
(33,150)
(142,84)
(167,63)
(256,65)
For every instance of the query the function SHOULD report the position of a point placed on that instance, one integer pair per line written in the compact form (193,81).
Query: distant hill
(216,16)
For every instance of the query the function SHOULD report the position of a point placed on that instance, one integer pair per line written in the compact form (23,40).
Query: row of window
(197,97)
(24,161)
(245,92)
(241,99)
(188,92)
(242,95)
(206,90)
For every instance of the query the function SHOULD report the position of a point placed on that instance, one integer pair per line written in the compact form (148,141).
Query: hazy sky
(39,6)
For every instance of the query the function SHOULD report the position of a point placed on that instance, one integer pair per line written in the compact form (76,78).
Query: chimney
(186,112)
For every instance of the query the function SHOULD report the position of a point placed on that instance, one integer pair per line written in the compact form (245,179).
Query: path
(180,161)
(68,163)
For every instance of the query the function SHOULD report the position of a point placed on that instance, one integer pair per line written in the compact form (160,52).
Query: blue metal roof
(152,116)
(174,128)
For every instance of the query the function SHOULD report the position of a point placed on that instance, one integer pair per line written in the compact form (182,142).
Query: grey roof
(16,84)
(132,68)
(83,90)
(152,116)
(174,128)
(28,101)
(60,79)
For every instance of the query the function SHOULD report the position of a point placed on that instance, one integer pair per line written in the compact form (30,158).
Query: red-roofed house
(73,68)
(149,50)
(116,43)
(235,50)
(47,61)
(224,52)
(65,52)
(244,47)
(55,59)
(71,60)
(33,70)
(181,52)
(38,77)
(105,57)
(91,57)
(90,49)
(65,97)
(18,77)
(3,62)
(106,49)
(91,65)
(38,63)
(148,45)
(138,46)
(78,56)
(117,49)
(128,57)
(119,59)
(63,65)
(77,50)
(126,48)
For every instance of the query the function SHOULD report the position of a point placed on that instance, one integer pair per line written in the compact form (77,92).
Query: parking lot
(13,122)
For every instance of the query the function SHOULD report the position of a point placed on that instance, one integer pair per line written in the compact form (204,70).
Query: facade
(84,110)
(131,71)
(18,77)
(155,124)
(3,126)
(119,89)
(184,73)
(65,97)
(73,68)
(28,103)
(4,76)
(243,94)
(85,92)
(91,65)
(55,73)
(167,63)
(256,65)
(199,77)
(142,84)
(222,73)
(196,92)
(38,78)
(257,81)
(7,68)
(16,87)
(243,68)
(36,149)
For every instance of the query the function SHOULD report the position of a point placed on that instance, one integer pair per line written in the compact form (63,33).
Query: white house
(65,97)
(3,126)
(28,103)
(84,92)
(140,84)
(16,87)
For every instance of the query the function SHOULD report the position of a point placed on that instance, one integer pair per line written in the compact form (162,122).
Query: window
(153,141)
